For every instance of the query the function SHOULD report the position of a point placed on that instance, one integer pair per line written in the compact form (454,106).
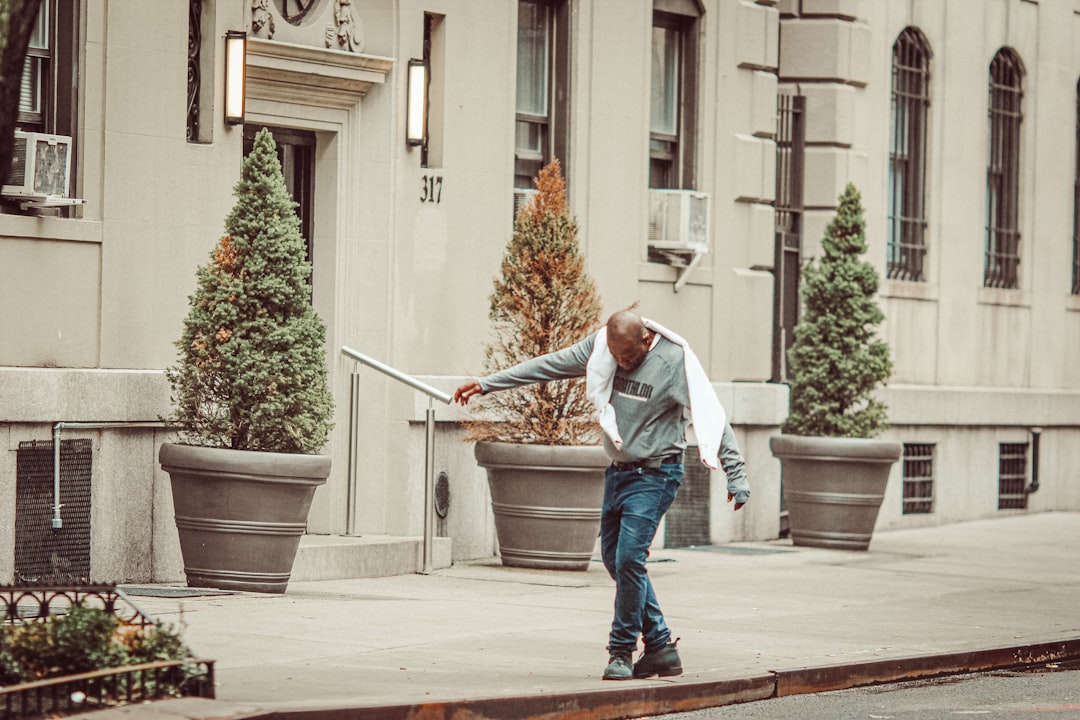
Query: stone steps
(337,557)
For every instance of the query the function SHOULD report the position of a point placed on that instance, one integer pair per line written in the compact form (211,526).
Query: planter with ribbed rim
(546,500)
(833,487)
(241,513)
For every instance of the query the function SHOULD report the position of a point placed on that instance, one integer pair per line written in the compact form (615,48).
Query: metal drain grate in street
(170,592)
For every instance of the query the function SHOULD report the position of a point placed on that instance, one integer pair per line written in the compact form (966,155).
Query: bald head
(628,339)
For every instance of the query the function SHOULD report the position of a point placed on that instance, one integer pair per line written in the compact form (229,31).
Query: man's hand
(466,391)
(731,497)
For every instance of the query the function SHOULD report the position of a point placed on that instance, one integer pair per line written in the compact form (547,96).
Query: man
(647,385)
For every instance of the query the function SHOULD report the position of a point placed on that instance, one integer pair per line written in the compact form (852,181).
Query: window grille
(918,478)
(194,71)
(1076,204)
(687,522)
(790,151)
(907,157)
(1012,476)
(44,554)
(1003,172)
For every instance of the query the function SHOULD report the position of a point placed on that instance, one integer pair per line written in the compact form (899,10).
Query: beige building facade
(651,106)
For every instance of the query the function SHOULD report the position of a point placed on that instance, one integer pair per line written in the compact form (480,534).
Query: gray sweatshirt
(652,404)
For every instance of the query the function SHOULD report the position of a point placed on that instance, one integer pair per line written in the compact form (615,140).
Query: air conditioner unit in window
(678,221)
(678,228)
(521,198)
(40,170)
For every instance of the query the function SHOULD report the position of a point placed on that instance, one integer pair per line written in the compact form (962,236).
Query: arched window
(1003,171)
(907,156)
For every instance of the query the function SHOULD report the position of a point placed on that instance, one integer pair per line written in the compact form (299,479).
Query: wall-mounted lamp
(235,76)
(416,111)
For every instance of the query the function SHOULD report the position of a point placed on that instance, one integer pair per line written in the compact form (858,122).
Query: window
(1003,172)
(1076,204)
(1012,476)
(542,89)
(673,96)
(918,478)
(47,95)
(907,156)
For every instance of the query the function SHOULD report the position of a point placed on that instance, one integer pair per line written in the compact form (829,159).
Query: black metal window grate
(907,157)
(1012,476)
(194,70)
(1003,172)
(918,478)
(44,553)
(790,152)
(686,523)
(1076,204)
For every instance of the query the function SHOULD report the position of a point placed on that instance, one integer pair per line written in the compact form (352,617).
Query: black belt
(653,463)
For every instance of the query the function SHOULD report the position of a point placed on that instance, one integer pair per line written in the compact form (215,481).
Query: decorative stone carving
(261,17)
(346,32)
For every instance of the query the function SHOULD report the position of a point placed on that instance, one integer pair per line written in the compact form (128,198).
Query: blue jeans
(634,502)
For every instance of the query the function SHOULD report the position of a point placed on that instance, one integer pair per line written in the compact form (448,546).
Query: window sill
(50,228)
(664,273)
(1004,298)
(909,290)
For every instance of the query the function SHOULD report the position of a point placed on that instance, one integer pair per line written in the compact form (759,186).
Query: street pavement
(756,620)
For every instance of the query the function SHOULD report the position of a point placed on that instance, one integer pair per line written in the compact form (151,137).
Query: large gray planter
(833,487)
(241,513)
(547,502)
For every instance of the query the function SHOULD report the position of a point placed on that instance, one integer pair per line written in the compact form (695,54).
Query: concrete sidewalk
(479,640)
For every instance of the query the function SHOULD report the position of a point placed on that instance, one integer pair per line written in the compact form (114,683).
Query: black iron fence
(97,689)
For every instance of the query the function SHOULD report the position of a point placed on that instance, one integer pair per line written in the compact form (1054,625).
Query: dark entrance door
(296,152)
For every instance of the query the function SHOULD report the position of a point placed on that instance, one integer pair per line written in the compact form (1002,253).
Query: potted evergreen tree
(834,472)
(252,402)
(539,443)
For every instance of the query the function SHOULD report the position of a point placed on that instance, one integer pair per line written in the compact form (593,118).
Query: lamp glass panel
(417,105)
(234,73)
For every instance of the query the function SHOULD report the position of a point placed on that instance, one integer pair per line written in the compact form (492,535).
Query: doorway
(296,153)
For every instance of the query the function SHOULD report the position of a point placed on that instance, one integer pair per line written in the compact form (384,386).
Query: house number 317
(431,189)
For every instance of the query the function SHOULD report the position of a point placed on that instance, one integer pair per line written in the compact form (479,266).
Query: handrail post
(429,486)
(429,449)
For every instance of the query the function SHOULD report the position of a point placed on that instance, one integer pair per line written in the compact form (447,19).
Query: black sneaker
(664,662)
(618,667)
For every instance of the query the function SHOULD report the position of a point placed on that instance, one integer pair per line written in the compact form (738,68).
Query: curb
(637,700)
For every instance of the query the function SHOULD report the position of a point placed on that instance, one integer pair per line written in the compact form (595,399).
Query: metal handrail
(429,450)
(397,375)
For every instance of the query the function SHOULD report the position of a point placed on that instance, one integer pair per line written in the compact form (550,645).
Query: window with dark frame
(918,478)
(1076,203)
(1012,476)
(673,95)
(47,96)
(543,73)
(1003,172)
(907,156)
(36,78)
